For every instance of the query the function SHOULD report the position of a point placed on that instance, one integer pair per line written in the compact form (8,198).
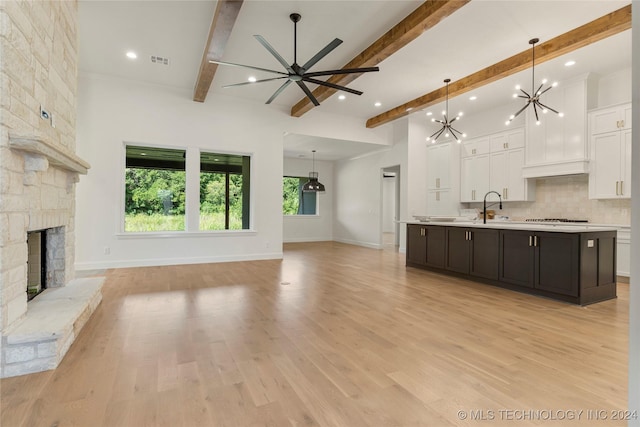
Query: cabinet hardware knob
(621,123)
(617,188)
(621,190)
(535,240)
(530,240)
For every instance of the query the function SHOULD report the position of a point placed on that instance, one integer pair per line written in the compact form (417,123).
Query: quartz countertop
(560,227)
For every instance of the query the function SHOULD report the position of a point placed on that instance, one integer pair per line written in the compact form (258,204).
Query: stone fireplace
(38,173)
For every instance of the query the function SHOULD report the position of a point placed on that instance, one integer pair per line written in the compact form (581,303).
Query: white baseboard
(305,240)
(358,243)
(173,261)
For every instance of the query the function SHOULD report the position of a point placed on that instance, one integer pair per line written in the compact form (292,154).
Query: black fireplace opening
(36,263)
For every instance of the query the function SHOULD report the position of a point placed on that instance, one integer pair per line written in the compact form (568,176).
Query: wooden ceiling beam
(224,18)
(599,29)
(426,16)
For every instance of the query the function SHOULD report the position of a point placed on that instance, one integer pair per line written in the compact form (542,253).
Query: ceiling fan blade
(324,52)
(273,52)
(343,71)
(257,81)
(331,85)
(277,92)
(306,90)
(248,66)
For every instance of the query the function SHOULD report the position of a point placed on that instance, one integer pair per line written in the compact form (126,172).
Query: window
(224,191)
(294,200)
(154,189)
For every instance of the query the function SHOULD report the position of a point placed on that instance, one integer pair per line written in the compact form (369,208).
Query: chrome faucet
(484,205)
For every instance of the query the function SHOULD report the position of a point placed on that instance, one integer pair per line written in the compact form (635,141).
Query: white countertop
(561,227)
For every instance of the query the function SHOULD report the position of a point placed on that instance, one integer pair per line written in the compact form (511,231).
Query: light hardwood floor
(333,335)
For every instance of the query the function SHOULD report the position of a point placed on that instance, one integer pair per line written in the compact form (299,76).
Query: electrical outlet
(44,114)
(107,250)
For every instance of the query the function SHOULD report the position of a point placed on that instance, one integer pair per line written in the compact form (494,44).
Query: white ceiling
(479,34)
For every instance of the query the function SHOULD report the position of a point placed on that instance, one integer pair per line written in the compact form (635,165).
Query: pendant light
(313,185)
(534,97)
(447,130)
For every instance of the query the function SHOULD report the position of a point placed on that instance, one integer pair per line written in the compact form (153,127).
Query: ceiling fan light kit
(533,98)
(299,74)
(447,129)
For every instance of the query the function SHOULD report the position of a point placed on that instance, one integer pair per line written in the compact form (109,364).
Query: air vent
(159,60)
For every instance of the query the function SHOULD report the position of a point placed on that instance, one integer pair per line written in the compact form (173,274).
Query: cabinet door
(436,244)
(458,249)
(516,258)
(557,264)
(438,166)
(439,203)
(605,166)
(416,244)
(474,178)
(485,253)
(498,173)
(625,172)
(515,185)
(605,120)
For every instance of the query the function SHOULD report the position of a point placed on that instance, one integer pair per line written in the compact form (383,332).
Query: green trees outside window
(294,200)
(155,190)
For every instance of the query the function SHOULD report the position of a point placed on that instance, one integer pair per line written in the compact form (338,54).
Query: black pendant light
(534,97)
(313,185)
(447,130)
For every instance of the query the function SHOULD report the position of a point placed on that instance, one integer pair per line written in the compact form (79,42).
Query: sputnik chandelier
(447,128)
(534,97)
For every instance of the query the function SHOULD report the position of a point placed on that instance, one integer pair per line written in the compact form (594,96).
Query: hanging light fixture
(447,130)
(313,185)
(534,97)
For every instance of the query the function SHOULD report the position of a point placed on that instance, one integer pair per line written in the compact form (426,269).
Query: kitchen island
(575,264)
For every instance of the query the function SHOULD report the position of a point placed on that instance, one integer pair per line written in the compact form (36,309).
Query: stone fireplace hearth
(38,173)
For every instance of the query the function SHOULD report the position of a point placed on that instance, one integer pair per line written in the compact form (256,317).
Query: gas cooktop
(555,220)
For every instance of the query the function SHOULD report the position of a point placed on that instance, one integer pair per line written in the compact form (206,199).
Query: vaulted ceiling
(463,40)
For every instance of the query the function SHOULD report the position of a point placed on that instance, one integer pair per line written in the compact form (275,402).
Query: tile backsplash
(567,197)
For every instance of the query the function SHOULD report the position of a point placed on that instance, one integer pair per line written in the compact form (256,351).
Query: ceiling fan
(296,73)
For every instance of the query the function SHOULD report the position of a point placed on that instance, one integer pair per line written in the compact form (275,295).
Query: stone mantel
(55,155)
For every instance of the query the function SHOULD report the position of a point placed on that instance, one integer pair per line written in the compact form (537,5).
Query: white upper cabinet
(558,145)
(495,162)
(474,178)
(610,174)
(438,166)
(440,158)
(610,119)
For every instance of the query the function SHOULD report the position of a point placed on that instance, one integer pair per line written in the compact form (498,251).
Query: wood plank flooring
(332,335)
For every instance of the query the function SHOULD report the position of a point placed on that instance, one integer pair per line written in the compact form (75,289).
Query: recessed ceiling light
(342,97)
(569,63)
(473,98)
(429,113)
(252,79)
(132,55)
(409,109)
(377,104)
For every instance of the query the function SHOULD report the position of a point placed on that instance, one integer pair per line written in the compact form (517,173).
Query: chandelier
(534,97)
(313,185)
(446,129)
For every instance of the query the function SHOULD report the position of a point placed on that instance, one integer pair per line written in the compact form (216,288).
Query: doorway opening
(390,201)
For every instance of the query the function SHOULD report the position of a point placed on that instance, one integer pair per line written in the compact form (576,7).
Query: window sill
(185,234)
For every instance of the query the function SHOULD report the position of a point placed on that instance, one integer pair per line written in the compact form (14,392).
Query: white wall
(311,228)
(358,193)
(614,88)
(634,297)
(112,111)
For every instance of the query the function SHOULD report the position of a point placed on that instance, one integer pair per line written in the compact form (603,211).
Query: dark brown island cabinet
(572,266)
